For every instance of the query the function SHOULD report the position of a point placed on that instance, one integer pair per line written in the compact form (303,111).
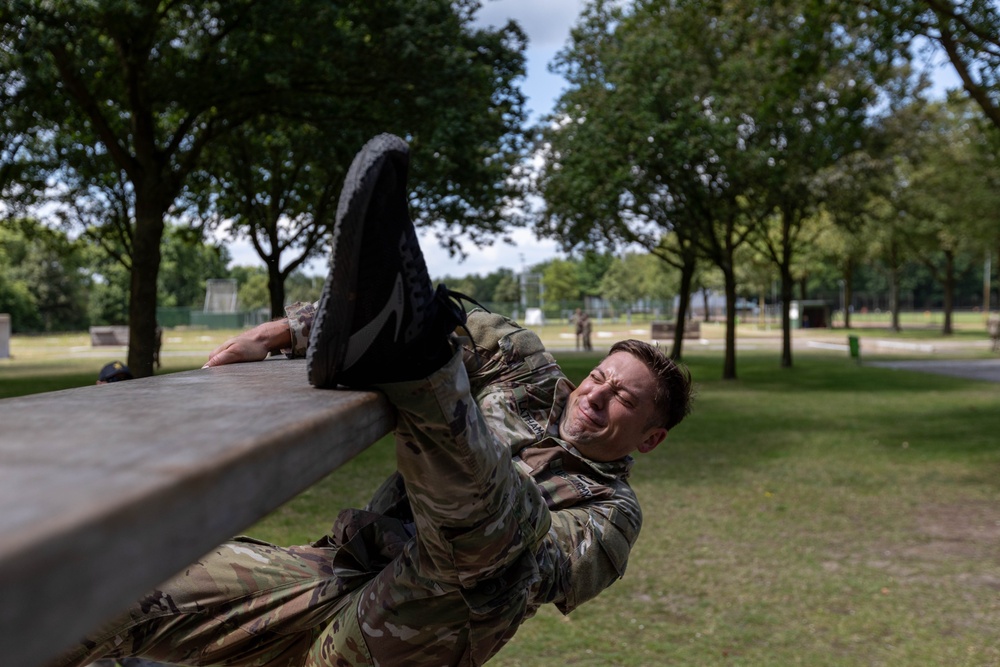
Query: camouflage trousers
(451,594)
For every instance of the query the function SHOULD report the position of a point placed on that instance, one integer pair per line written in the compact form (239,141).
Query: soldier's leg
(461,586)
(474,512)
(380,323)
(246,603)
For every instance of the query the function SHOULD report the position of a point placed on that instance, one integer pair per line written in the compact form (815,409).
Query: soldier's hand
(252,345)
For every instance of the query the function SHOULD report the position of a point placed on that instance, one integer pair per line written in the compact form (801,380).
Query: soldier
(578,326)
(587,328)
(511,485)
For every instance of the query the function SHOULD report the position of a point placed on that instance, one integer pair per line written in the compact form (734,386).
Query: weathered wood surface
(106,491)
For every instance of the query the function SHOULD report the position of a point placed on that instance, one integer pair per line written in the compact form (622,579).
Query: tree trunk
(848,292)
(729,365)
(787,287)
(276,290)
(949,291)
(683,303)
(894,298)
(705,303)
(142,293)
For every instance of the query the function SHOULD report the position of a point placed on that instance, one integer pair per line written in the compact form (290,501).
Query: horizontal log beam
(106,491)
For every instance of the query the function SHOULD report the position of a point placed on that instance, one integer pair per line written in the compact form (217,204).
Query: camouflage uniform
(488,517)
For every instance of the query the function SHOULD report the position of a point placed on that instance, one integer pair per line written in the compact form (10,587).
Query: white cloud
(526,251)
(546,22)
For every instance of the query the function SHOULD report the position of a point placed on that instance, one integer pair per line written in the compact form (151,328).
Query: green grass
(825,515)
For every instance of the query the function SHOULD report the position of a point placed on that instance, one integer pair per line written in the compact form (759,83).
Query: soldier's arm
(289,335)
(594,547)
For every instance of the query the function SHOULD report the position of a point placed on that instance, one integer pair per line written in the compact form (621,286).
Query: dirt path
(973,369)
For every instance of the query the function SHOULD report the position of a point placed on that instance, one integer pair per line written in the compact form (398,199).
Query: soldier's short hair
(673,381)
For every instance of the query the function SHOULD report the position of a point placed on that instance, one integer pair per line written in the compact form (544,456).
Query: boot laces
(452,302)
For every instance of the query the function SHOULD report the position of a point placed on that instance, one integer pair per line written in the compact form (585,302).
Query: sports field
(828,514)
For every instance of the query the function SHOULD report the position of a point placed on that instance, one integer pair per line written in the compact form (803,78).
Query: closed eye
(625,399)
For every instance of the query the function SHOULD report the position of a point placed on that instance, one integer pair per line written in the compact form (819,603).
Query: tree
(16,296)
(42,278)
(134,94)
(635,277)
(507,289)
(276,182)
(949,188)
(561,282)
(846,189)
(251,290)
(645,145)
(804,98)
(966,31)
(276,179)
(187,264)
(591,269)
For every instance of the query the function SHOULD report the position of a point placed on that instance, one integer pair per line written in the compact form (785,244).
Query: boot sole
(334,315)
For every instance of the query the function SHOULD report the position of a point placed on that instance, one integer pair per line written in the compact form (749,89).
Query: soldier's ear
(652,439)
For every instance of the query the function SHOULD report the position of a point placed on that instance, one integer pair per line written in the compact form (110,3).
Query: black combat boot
(379,320)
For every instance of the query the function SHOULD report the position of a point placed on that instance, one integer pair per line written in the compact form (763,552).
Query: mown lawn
(827,514)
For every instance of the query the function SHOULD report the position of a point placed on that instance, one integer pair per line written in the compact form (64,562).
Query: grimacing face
(607,416)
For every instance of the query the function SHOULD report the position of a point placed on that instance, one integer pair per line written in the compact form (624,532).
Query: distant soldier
(578,322)
(587,326)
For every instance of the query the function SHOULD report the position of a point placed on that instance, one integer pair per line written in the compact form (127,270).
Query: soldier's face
(607,416)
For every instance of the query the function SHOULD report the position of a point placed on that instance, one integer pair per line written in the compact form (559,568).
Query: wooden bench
(108,335)
(118,335)
(106,491)
(665,330)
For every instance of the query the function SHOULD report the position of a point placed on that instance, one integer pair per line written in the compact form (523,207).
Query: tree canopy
(130,100)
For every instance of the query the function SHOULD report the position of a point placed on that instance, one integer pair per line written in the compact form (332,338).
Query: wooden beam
(106,491)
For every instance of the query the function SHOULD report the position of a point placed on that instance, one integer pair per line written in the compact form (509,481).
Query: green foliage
(43,281)
(301,287)
(135,100)
(507,289)
(187,262)
(966,33)
(252,291)
(635,277)
(109,295)
(561,281)
(591,270)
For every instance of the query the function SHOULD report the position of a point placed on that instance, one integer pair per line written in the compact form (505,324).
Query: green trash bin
(855,344)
